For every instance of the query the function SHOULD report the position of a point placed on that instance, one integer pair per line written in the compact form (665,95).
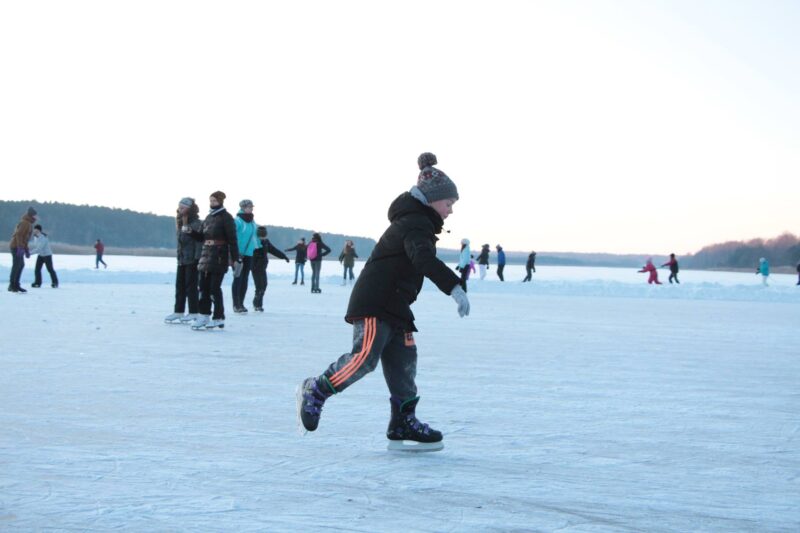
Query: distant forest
(780,251)
(82,225)
(123,230)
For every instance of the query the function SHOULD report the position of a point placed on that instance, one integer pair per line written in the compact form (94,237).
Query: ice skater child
(651,268)
(380,310)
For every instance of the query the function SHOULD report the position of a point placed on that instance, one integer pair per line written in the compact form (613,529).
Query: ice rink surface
(584,401)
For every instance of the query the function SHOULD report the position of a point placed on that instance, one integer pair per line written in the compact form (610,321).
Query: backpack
(311,251)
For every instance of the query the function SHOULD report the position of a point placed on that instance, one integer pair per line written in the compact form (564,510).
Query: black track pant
(47,261)
(373,341)
(239,285)
(186,289)
(211,291)
(500,269)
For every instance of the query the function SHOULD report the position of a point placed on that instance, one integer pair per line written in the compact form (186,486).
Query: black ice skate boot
(311,397)
(407,433)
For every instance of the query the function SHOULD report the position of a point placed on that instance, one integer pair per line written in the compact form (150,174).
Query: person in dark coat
(673,268)
(260,263)
(348,259)
(316,251)
(501,262)
(483,260)
(299,260)
(220,251)
(99,249)
(44,257)
(798,273)
(380,307)
(18,246)
(188,252)
(530,266)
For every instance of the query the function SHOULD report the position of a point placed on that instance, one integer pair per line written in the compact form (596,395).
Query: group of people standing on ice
(466,263)
(207,248)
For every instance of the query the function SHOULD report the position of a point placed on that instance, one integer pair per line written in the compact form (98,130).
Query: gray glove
(460,297)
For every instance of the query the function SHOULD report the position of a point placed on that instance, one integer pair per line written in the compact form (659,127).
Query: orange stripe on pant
(370,327)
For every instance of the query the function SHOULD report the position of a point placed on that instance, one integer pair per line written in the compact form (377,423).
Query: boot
(310,399)
(404,424)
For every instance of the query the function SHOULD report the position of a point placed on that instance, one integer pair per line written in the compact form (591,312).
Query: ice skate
(188,319)
(174,318)
(310,399)
(218,323)
(200,322)
(406,433)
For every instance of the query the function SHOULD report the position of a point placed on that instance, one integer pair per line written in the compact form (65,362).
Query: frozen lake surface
(584,401)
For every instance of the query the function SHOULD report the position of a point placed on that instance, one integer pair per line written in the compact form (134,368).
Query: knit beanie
(261,232)
(432,182)
(187,202)
(246,203)
(219,195)
(31,212)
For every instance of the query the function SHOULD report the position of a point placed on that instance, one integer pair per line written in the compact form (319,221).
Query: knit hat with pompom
(432,182)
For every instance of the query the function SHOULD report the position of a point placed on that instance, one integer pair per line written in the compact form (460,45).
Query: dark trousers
(300,267)
(349,269)
(17,264)
(239,285)
(464,278)
(98,260)
(186,288)
(674,275)
(316,266)
(500,269)
(260,281)
(373,341)
(47,261)
(211,291)
(529,270)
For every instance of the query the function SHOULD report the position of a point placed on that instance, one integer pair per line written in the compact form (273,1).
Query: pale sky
(588,126)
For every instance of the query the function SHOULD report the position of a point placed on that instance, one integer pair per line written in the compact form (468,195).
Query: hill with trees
(123,229)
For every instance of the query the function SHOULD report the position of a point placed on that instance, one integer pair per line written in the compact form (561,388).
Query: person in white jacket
(463,263)
(40,245)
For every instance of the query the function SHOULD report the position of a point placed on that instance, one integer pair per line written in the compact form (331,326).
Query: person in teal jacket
(246,236)
(464,260)
(763,269)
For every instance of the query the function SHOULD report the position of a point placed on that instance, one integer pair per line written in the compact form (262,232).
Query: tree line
(783,250)
(82,225)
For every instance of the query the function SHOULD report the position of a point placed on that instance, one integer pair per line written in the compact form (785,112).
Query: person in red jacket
(673,268)
(99,247)
(651,268)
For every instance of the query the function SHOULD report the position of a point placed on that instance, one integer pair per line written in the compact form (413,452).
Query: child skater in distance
(380,310)
(651,268)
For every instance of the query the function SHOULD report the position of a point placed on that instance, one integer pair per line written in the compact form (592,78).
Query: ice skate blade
(414,446)
(299,401)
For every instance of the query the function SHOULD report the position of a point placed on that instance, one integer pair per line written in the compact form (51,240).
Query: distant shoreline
(446,255)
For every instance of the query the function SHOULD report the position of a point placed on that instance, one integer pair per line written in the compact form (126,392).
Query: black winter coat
(215,258)
(189,248)
(260,257)
(483,258)
(300,256)
(531,261)
(404,256)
